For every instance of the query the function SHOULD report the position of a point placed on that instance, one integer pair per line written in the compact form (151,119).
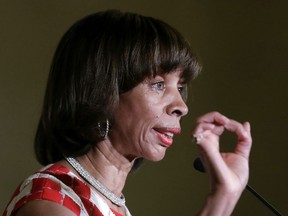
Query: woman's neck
(106,165)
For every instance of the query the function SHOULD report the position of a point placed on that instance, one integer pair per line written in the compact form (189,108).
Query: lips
(165,135)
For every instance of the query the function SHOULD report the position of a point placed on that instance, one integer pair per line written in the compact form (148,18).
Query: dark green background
(243,47)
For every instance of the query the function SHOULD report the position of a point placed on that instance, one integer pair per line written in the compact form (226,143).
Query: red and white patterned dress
(58,184)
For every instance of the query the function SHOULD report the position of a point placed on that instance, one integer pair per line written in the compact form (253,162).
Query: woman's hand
(228,172)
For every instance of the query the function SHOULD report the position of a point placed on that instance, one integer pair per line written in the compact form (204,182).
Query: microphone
(198,165)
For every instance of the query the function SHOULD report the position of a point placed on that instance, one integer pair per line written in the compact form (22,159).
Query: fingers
(244,144)
(237,128)
(213,121)
(202,127)
(227,171)
(216,123)
(243,133)
(208,147)
(213,117)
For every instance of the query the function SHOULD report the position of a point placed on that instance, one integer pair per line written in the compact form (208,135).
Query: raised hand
(229,171)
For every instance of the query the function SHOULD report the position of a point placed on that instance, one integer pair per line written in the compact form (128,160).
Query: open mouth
(166,138)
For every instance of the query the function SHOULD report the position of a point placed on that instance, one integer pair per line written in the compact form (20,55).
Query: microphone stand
(199,167)
(267,204)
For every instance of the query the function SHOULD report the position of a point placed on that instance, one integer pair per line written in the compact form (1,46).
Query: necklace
(119,201)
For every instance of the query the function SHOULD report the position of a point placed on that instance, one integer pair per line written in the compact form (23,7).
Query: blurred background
(243,48)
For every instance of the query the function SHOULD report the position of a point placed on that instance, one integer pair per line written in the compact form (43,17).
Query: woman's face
(148,117)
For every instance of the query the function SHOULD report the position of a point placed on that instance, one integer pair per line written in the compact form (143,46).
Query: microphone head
(198,165)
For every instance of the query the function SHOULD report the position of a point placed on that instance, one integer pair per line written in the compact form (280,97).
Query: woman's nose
(177,107)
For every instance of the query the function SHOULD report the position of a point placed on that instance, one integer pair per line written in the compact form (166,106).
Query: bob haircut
(98,58)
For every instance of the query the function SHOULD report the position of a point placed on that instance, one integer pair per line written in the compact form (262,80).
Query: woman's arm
(43,208)
(228,172)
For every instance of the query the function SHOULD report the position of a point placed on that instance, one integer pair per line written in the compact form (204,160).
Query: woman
(115,96)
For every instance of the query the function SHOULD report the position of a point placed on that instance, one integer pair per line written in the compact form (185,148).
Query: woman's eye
(158,85)
(183,91)
(180,89)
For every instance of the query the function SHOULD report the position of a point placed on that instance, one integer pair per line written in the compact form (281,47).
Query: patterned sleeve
(57,184)
(42,186)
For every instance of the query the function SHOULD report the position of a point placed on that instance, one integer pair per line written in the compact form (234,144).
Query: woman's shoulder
(54,183)
(43,208)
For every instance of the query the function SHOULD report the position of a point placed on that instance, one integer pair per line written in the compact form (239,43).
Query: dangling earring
(107,129)
(103,133)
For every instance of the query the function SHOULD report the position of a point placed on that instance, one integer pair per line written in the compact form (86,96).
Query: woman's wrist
(220,203)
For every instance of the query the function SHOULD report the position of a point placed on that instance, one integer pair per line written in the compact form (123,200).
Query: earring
(103,133)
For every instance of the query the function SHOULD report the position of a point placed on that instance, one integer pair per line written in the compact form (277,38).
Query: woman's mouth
(165,135)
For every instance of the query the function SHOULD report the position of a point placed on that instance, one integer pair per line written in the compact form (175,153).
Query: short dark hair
(98,58)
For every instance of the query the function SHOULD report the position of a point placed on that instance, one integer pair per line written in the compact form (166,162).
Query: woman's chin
(156,156)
